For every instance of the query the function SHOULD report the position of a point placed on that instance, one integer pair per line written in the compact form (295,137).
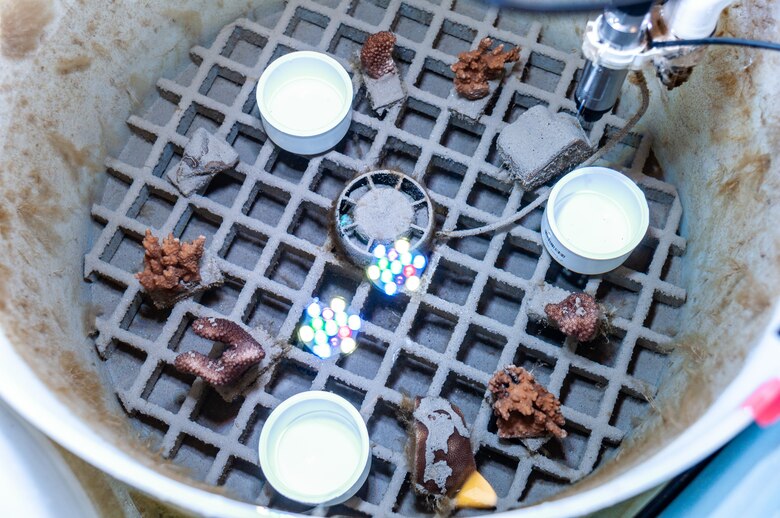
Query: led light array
(328,330)
(397,268)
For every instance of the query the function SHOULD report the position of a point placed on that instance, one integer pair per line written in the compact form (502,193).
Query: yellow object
(476,493)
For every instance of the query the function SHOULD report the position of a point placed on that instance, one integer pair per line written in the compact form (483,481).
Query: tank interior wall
(71,72)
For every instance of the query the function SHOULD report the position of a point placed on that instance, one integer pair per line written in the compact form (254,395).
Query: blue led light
(322,350)
(396,268)
(328,329)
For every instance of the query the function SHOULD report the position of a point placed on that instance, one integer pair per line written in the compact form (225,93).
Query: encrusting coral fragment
(578,316)
(524,408)
(244,351)
(475,68)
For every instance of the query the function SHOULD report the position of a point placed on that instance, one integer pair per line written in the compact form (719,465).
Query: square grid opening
(307,26)
(222,84)
(454,38)
(435,78)
(412,23)
(370,11)
(418,117)
(445,176)
(244,46)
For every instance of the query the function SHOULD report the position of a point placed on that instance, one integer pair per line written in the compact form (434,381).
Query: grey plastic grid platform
(268,222)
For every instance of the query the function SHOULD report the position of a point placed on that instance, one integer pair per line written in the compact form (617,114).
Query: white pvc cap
(305,102)
(314,449)
(594,218)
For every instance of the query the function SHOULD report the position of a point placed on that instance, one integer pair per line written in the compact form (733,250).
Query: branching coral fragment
(376,56)
(475,68)
(578,315)
(244,351)
(524,408)
(172,266)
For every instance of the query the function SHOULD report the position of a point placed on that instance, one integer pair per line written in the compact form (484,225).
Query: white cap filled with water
(594,219)
(305,102)
(314,449)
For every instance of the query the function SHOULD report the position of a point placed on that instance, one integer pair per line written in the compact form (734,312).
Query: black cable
(557,6)
(768,45)
(674,488)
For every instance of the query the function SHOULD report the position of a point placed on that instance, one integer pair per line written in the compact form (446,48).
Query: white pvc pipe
(690,19)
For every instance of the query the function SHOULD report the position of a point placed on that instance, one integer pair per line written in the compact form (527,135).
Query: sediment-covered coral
(204,156)
(578,316)
(443,459)
(475,68)
(524,408)
(172,265)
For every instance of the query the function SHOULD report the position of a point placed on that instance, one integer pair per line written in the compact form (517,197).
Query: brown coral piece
(172,266)
(244,351)
(578,316)
(475,68)
(376,56)
(442,455)
(524,408)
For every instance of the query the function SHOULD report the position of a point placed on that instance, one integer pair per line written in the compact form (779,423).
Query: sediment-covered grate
(268,220)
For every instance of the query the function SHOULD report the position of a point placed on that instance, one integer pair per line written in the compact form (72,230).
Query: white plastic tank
(71,73)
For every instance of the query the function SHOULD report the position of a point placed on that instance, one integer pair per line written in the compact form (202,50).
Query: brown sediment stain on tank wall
(67,66)
(189,20)
(743,180)
(5,274)
(39,211)
(5,222)
(22,23)
(748,175)
(86,383)
(75,158)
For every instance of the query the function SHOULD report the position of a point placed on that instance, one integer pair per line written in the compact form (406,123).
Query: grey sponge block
(540,145)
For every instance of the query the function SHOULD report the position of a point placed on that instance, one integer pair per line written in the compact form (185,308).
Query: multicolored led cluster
(329,330)
(397,268)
